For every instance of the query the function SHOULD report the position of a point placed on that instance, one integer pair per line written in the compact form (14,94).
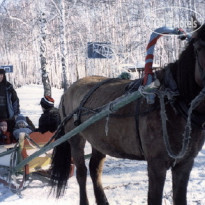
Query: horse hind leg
(77,150)
(96,168)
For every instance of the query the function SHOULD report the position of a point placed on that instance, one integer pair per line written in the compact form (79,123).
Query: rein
(187,132)
(167,93)
(162,94)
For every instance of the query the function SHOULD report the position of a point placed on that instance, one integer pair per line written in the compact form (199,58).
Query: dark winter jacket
(49,120)
(11,100)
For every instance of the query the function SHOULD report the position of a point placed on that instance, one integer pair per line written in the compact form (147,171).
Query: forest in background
(56,34)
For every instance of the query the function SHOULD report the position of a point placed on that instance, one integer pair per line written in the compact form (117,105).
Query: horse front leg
(157,175)
(180,178)
(77,150)
(96,168)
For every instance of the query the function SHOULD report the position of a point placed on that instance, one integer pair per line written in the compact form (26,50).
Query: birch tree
(63,45)
(44,73)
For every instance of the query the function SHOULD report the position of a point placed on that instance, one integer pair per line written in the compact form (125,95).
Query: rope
(187,132)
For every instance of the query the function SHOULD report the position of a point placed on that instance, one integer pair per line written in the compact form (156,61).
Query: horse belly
(115,137)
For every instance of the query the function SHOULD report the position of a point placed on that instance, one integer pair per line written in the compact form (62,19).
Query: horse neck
(183,72)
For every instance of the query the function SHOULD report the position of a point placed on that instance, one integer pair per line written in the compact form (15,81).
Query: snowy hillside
(125,181)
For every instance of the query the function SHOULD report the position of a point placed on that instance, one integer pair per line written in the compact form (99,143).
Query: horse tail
(60,167)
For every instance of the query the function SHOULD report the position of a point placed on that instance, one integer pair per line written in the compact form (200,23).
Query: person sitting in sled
(21,126)
(5,135)
(50,118)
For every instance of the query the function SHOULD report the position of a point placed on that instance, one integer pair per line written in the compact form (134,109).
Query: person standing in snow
(50,118)
(9,101)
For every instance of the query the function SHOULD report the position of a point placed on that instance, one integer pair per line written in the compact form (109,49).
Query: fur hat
(47,102)
(21,119)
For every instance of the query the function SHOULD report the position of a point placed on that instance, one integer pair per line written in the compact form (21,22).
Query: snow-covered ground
(124,181)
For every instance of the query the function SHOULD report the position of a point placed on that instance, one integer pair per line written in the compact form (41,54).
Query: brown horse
(135,131)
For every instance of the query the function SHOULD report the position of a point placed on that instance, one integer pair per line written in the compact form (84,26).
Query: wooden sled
(11,155)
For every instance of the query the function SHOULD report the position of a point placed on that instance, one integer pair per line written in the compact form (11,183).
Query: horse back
(101,96)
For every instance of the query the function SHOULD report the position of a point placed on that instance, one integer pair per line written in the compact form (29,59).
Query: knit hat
(47,102)
(21,119)
(2,71)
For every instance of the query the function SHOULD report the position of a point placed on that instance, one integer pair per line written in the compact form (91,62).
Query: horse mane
(183,71)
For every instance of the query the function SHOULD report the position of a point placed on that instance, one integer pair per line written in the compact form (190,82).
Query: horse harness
(78,114)
(169,87)
(133,86)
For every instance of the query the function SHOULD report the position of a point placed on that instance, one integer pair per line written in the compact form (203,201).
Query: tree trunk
(44,73)
(63,46)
